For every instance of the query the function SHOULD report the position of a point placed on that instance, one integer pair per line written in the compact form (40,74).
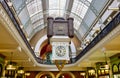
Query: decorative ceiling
(33,13)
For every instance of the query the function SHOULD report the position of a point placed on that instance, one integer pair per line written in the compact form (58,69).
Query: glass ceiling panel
(79,8)
(56,8)
(38,23)
(35,11)
(34,7)
(76,24)
(77,21)
(36,17)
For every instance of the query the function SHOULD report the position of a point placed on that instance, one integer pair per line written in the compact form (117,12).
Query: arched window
(115,68)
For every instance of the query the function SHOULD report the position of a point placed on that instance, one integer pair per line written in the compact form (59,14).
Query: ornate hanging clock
(59,32)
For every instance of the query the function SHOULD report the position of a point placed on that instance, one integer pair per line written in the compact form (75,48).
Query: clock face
(60,51)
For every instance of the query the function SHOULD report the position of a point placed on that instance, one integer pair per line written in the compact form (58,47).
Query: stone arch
(60,73)
(42,73)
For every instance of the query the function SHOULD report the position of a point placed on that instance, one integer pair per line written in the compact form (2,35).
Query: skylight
(34,7)
(35,11)
(78,12)
(79,8)
(56,8)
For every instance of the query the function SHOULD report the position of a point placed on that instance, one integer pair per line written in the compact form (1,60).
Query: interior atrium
(59,39)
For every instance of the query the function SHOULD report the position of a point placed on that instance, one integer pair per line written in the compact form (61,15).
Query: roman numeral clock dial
(60,51)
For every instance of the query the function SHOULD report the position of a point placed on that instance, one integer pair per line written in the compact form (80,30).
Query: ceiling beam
(69,4)
(45,7)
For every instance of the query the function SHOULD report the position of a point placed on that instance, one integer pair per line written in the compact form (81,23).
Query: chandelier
(11,65)
(20,70)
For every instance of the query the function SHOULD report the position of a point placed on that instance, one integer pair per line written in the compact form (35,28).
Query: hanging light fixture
(11,65)
(91,72)
(105,65)
(82,73)
(20,70)
(27,73)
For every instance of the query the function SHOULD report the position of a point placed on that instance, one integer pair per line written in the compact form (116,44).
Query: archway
(65,75)
(45,74)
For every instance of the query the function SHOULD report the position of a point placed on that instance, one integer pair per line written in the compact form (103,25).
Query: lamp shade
(106,66)
(27,73)
(20,70)
(11,66)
